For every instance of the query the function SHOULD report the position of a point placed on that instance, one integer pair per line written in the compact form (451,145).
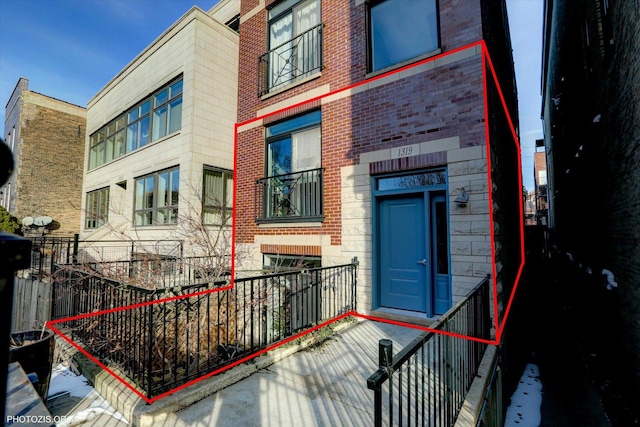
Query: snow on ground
(524,410)
(64,380)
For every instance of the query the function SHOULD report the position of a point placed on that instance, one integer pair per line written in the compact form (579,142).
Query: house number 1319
(406,151)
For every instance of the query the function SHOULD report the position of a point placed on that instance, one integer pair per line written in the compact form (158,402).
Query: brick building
(159,146)
(46,136)
(359,137)
(591,107)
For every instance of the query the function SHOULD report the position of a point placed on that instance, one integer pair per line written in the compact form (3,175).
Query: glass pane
(120,123)
(175,115)
(229,190)
(175,187)
(159,123)
(442,243)
(162,216)
(411,181)
(144,132)
(161,98)
(93,158)
(100,154)
(392,43)
(133,115)
(145,107)
(110,146)
(174,216)
(119,144)
(111,128)
(176,89)
(139,193)
(148,195)
(280,157)
(132,137)
(305,150)
(163,189)
(296,123)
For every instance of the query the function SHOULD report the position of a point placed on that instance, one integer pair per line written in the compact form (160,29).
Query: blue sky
(69,49)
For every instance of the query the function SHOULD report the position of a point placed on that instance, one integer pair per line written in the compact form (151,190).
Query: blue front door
(402,253)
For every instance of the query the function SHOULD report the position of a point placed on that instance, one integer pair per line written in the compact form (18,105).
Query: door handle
(423,262)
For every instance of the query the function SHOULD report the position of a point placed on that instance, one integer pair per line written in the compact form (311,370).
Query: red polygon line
(141,304)
(500,326)
(424,328)
(494,272)
(484,57)
(97,362)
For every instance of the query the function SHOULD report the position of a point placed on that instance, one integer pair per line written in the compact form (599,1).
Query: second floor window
(149,120)
(401,30)
(292,189)
(156,198)
(294,43)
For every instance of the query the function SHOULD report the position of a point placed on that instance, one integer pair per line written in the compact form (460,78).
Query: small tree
(8,222)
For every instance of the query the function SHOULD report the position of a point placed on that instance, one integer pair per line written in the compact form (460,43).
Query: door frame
(427,191)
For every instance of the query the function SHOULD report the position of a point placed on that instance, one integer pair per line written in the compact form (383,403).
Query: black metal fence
(187,332)
(426,383)
(290,61)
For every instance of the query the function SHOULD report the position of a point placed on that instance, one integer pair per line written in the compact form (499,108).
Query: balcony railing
(291,61)
(289,197)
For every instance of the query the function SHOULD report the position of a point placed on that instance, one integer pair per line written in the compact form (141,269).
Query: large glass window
(147,121)
(401,30)
(295,42)
(293,186)
(97,208)
(156,198)
(217,196)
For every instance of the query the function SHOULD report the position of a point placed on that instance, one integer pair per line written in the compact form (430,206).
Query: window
(151,119)
(278,262)
(293,187)
(401,30)
(217,196)
(295,43)
(97,209)
(156,198)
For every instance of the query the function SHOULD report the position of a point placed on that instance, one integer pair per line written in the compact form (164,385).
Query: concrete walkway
(323,385)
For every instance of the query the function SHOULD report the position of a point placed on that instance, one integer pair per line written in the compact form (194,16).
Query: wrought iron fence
(427,381)
(293,60)
(290,196)
(48,251)
(187,332)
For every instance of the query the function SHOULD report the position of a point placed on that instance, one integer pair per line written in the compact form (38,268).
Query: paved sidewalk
(325,385)
(321,386)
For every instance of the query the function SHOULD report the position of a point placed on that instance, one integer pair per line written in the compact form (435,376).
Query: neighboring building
(591,107)
(343,153)
(540,183)
(159,146)
(46,136)
(530,207)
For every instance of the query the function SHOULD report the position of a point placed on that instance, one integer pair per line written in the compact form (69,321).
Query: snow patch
(524,410)
(63,380)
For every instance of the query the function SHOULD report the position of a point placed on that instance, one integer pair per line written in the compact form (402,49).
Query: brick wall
(621,167)
(49,173)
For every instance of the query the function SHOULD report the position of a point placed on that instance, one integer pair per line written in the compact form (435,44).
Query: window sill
(289,86)
(403,63)
(270,223)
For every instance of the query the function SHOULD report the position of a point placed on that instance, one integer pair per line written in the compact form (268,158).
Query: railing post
(75,248)
(150,351)
(385,357)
